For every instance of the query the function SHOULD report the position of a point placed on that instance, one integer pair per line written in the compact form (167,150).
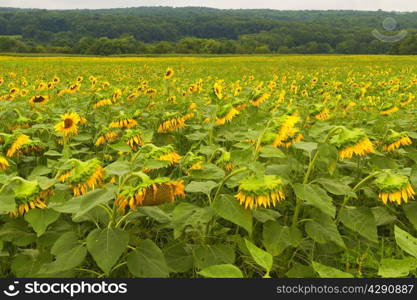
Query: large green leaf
(201,187)
(392,268)
(261,257)
(40,219)
(221,271)
(189,215)
(64,261)
(410,210)
(208,171)
(147,261)
(118,168)
(315,196)
(208,255)
(335,187)
(106,246)
(7,202)
(329,272)
(227,207)
(177,257)
(94,198)
(405,241)
(360,220)
(276,238)
(323,229)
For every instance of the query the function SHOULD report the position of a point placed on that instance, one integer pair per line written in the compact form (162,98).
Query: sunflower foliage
(208,167)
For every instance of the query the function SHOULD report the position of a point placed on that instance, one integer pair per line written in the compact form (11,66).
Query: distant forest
(196,30)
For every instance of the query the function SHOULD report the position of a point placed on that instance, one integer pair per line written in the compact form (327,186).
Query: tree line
(196,30)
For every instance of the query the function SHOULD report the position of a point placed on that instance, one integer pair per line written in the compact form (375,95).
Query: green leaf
(360,220)
(335,187)
(261,257)
(315,196)
(309,147)
(39,219)
(323,230)
(329,272)
(118,168)
(25,265)
(410,210)
(271,151)
(208,171)
(210,255)
(66,241)
(301,271)
(382,216)
(405,241)
(177,258)
(394,268)
(65,261)
(221,271)
(120,147)
(7,202)
(106,246)
(229,208)
(94,198)
(147,261)
(201,187)
(155,213)
(186,214)
(264,215)
(276,238)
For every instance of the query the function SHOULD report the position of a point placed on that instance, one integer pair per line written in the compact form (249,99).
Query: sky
(388,5)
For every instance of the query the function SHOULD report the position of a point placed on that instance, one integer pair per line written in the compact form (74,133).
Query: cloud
(399,5)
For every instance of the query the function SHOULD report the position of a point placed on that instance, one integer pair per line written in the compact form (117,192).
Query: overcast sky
(398,5)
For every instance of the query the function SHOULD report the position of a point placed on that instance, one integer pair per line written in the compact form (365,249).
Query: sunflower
(291,138)
(323,115)
(169,73)
(4,164)
(150,192)
(38,99)
(84,176)
(107,137)
(123,122)
(174,122)
(410,98)
(394,188)
(258,100)
(218,90)
(28,195)
(395,140)
(134,139)
(102,102)
(352,142)
(388,110)
(263,191)
(226,115)
(165,153)
(224,161)
(287,133)
(18,143)
(68,125)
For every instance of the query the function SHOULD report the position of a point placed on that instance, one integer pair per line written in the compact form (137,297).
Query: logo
(389,24)
(12,291)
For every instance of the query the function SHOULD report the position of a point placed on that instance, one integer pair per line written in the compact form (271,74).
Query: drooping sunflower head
(150,192)
(388,109)
(319,112)
(28,195)
(83,176)
(226,114)
(68,125)
(165,153)
(224,161)
(39,99)
(106,136)
(395,140)
(15,143)
(4,164)
(352,142)
(172,121)
(259,97)
(123,121)
(101,103)
(265,191)
(134,138)
(394,188)
(192,161)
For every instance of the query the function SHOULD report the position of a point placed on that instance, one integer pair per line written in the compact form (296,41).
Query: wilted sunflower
(263,191)
(28,195)
(134,139)
(17,143)
(226,114)
(107,137)
(4,164)
(173,122)
(84,176)
(394,188)
(169,73)
(102,102)
(390,109)
(68,125)
(123,122)
(38,99)
(164,153)
(352,142)
(150,192)
(395,140)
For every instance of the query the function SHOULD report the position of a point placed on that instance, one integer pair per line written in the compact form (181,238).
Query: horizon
(295,5)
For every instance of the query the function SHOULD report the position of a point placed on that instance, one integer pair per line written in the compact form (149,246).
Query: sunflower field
(286,166)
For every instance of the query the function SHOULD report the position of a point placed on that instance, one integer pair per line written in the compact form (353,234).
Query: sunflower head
(134,138)
(388,109)
(150,192)
(169,73)
(68,124)
(352,142)
(263,191)
(395,140)
(394,188)
(123,121)
(39,99)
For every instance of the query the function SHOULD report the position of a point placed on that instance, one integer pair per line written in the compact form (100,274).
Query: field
(286,166)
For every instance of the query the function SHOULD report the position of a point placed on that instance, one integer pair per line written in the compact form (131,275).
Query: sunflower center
(38,99)
(68,123)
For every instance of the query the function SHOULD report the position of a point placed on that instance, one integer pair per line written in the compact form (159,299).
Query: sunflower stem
(225,179)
